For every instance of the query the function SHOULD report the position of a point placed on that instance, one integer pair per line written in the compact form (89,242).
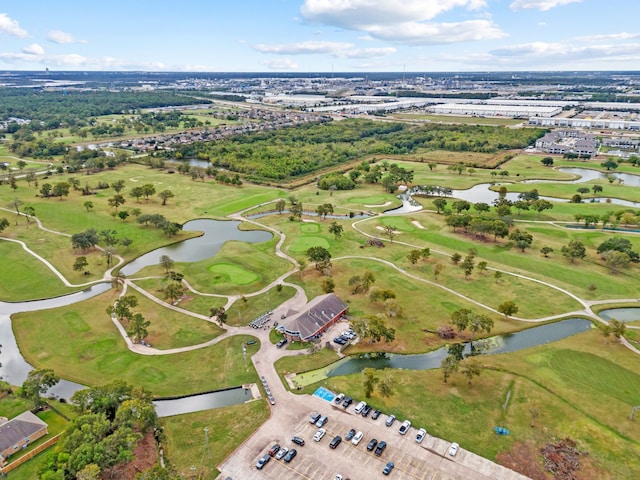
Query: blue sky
(320,35)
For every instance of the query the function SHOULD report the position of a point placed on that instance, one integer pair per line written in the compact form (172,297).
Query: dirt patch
(417,224)
(145,456)
(524,458)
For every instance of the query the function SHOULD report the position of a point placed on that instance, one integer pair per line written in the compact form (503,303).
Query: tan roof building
(18,433)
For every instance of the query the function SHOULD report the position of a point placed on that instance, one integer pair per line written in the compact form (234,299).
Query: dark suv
(298,441)
(336,441)
(380,448)
(347,401)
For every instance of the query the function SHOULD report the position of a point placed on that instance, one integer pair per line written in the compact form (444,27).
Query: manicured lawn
(227,428)
(29,278)
(309,227)
(234,274)
(97,355)
(303,243)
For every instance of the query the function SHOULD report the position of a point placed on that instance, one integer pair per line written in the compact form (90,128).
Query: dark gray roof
(19,428)
(315,315)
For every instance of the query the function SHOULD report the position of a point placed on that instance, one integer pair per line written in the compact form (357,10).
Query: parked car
(273,450)
(335,441)
(360,407)
(372,444)
(339,398)
(347,401)
(366,410)
(290,455)
(388,468)
(314,417)
(298,441)
(380,448)
(339,340)
(356,438)
(420,436)
(453,449)
(281,343)
(262,461)
(319,434)
(376,414)
(404,428)
(281,453)
(350,435)
(390,420)
(322,421)
(337,477)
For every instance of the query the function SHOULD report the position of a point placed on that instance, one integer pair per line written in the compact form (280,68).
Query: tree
(37,383)
(137,193)
(385,386)
(88,205)
(455,258)
(167,263)
(508,308)
(137,330)
(468,264)
(122,308)
(425,253)
(583,190)
(61,189)
(547,161)
(461,205)
(220,313)
(597,189)
(368,279)
(521,239)
(296,210)
(373,328)
(370,381)
(479,324)
(166,195)
(4,223)
(541,205)
(440,204)
(546,251)
(116,201)
(609,164)
(280,205)
(437,270)
(461,319)
(85,240)
(619,244)
(336,230)
(45,190)
(15,204)
(118,185)
(355,283)
(80,264)
(148,189)
(328,285)
(615,260)
(29,211)
(320,256)
(413,256)
(390,232)
(123,215)
(449,366)
(575,249)
(470,369)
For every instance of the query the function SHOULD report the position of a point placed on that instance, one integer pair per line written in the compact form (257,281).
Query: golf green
(229,273)
(302,244)
(310,228)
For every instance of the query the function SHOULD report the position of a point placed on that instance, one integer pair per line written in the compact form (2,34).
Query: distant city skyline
(320,35)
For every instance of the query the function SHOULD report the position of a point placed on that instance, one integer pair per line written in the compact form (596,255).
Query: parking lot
(316,460)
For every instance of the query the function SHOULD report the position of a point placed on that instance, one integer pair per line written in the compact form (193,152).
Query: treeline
(292,152)
(50,110)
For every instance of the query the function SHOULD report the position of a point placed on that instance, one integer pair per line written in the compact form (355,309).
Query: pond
(499,344)
(587,175)
(202,401)
(216,233)
(630,314)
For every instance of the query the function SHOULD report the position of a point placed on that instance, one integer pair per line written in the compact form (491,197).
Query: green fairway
(309,227)
(371,200)
(248,308)
(228,273)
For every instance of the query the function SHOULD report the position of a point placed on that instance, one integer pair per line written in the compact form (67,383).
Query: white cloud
(356,14)
(57,36)
(33,49)
(542,5)
(438,33)
(406,22)
(12,27)
(280,64)
(611,36)
(335,49)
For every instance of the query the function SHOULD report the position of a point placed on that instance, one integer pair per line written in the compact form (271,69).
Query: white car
(404,428)
(281,453)
(319,434)
(356,438)
(421,434)
(453,449)
(338,477)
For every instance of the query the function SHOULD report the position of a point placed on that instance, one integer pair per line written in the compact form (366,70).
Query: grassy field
(505,122)
(227,428)
(248,308)
(80,343)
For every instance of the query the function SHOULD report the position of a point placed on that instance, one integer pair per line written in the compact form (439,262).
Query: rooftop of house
(19,428)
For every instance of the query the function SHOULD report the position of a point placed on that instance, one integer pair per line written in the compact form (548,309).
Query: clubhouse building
(316,317)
